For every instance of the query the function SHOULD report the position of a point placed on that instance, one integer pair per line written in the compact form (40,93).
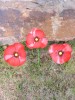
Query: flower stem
(38,50)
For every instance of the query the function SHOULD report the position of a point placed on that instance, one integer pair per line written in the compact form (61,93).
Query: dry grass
(32,82)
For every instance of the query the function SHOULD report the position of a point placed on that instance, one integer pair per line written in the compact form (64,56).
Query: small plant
(36,39)
(15,54)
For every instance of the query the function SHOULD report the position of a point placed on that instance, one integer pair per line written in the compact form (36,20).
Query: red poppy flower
(60,53)
(15,54)
(36,39)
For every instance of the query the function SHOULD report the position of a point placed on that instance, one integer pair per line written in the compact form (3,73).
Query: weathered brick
(55,17)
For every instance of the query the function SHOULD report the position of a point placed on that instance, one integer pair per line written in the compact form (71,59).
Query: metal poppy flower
(60,53)
(15,54)
(36,39)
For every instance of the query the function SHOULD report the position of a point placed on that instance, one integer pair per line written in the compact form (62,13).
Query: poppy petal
(37,45)
(55,57)
(66,56)
(30,39)
(22,60)
(44,43)
(7,57)
(22,53)
(34,45)
(40,34)
(13,61)
(18,46)
(31,46)
(9,50)
(56,48)
(67,47)
(33,32)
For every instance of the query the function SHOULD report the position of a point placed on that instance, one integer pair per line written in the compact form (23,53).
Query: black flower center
(36,39)
(60,53)
(16,54)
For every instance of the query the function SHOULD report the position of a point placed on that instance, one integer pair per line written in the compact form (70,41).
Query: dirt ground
(49,81)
